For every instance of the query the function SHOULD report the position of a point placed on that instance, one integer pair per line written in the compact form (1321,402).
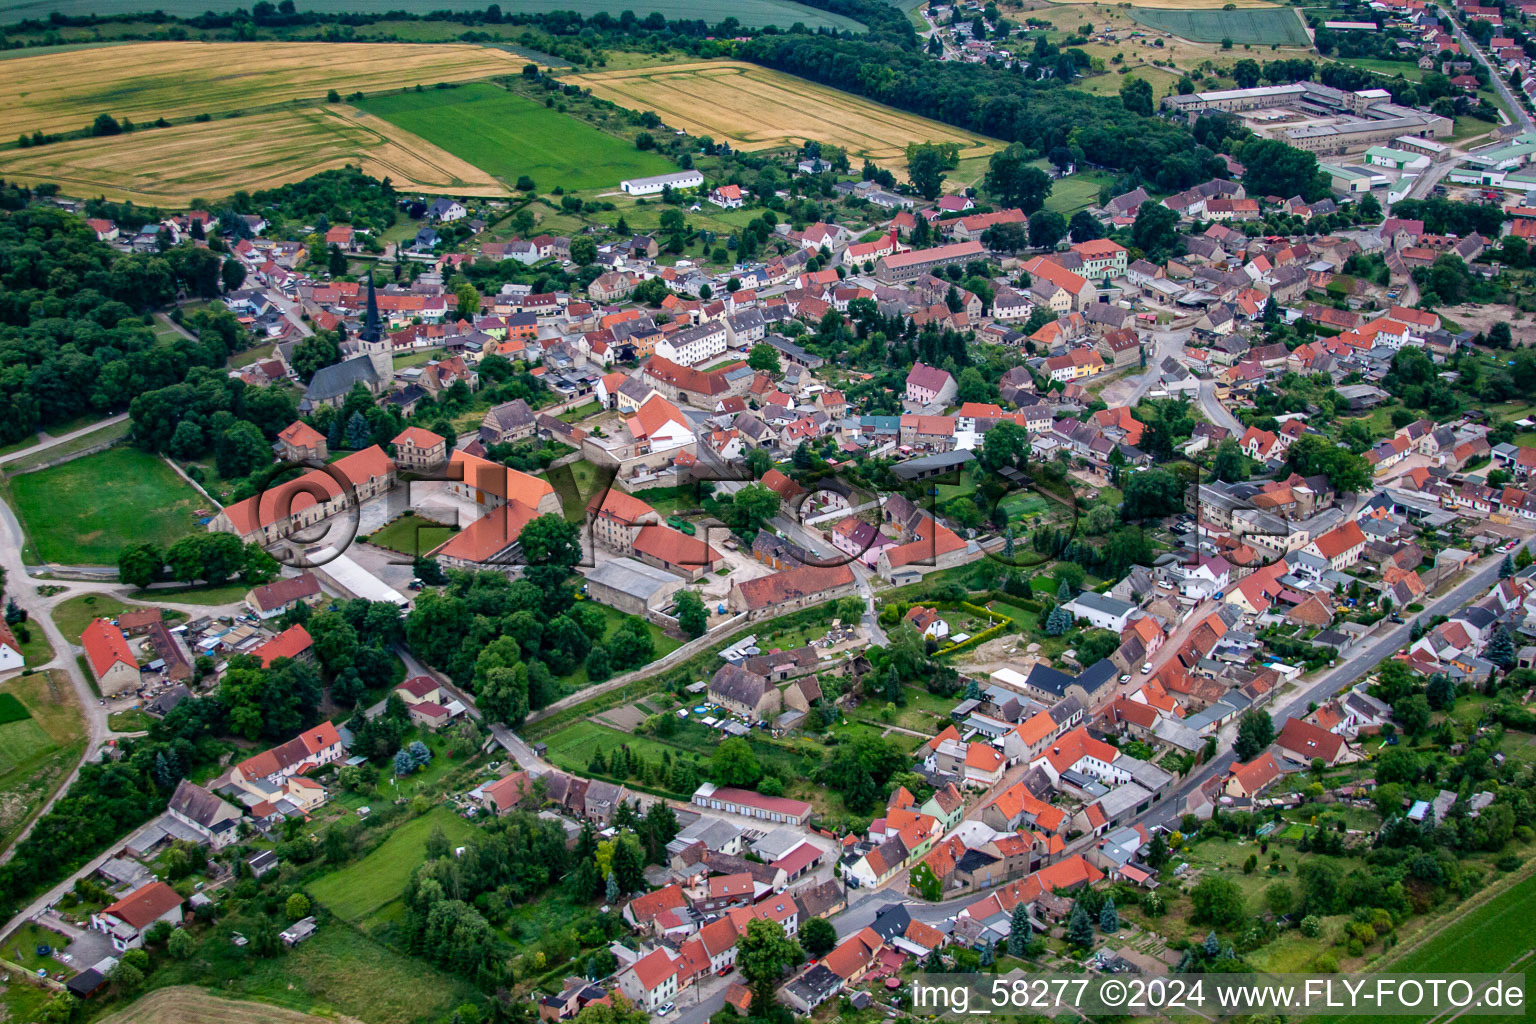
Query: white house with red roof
(279,773)
(728,196)
(1341,546)
(111,659)
(126,920)
(651,981)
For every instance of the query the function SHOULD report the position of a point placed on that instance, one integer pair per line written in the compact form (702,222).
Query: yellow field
(171,166)
(755,108)
(144,81)
(1186,5)
(183,1004)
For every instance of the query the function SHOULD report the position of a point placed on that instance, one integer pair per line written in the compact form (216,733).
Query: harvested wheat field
(144,81)
(171,166)
(1190,5)
(183,1004)
(755,108)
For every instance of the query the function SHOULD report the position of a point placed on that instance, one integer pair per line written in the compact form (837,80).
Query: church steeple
(372,343)
(372,330)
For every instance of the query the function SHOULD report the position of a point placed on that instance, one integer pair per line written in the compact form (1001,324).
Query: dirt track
(184,1004)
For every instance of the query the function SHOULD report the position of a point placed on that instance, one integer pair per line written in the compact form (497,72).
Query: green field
(38,749)
(509,136)
(74,614)
(361,888)
(751,13)
(84,512)
(1489,938)
(1257,25)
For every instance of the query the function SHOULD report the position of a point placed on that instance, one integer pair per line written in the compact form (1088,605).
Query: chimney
(893,237)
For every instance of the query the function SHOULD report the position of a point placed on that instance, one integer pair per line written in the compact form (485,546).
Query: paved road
(811,540)
(1164,344)
(49,440)
(1355,667)
(1516,110)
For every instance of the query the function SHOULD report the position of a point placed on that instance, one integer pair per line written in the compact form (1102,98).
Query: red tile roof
(294,496)
(290,643)
(105,646)
(675,547)
(145,905)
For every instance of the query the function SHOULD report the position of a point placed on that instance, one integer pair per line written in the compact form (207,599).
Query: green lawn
(84,512)
(411,534)
(364,886)
(571,748)
(73,615)
(110,433)
(1077,192)
(411,359)
(132,720)
(35,649)
(509,136)
(1391,68)
(229,593)
(664,644)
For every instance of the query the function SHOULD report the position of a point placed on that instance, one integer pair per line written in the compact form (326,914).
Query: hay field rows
(756,108)
(144,81)
(171,166)
(1259,26)
(183,1004)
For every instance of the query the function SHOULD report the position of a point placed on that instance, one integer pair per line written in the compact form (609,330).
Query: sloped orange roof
(290,643)
(489,535)
(498,480)
(292,496)
(674,547)
(105,646)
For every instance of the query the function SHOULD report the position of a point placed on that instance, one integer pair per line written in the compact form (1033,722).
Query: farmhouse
(126,921)
(791,589)
(112,662)
(659,183)
(270,600)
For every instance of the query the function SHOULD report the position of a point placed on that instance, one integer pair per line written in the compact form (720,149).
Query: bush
(1326,964)
(1311,926)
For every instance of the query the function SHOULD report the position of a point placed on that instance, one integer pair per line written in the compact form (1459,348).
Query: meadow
(339,974)
(187,1005)
(361,888)
(40,742)
(171,166)
(755,108)
(85,511)
(509,136)
(1263,26)
(752,13)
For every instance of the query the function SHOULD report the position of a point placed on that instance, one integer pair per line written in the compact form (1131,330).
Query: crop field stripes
(757,108)
(1261,26)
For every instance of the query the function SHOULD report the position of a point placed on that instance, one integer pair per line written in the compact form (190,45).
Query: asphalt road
(1516,110)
